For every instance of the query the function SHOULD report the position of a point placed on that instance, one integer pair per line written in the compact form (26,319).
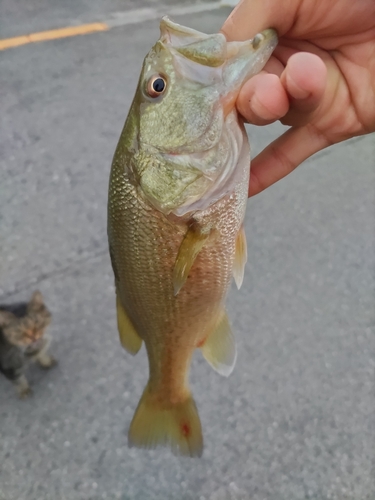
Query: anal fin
(219,348)
(130,340)
(240,258)
(191,245)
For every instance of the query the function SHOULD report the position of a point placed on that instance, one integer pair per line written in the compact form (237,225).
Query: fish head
(188,85)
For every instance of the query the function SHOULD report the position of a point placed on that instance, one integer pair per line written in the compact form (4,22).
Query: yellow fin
(219,349)
(130,340)
(240,258)
(177,426)
(191,245)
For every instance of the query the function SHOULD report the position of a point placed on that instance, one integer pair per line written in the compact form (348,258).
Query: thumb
(252,16)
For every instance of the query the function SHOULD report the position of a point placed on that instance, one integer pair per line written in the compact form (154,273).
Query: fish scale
(177,199)
(152,244)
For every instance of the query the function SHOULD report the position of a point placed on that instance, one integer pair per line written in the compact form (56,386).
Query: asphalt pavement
(295,420)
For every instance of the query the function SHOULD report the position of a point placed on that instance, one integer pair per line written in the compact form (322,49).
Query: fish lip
(269,36)
(170,29)
(247,58)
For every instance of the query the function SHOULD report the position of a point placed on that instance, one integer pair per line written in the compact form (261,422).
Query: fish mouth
(211,60)
(246,59)
(238,61)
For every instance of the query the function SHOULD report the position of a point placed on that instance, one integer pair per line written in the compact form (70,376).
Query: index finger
(253,16)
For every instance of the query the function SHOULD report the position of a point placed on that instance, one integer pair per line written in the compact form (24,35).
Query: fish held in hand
(177,198)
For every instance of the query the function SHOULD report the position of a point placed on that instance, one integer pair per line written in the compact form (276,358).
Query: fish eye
(156,86)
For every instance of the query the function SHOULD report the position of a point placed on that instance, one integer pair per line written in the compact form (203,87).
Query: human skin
(320,80)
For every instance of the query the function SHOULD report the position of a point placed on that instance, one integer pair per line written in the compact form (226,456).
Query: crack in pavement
(63,271)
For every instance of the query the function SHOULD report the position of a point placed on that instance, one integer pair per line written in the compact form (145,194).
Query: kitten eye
(156,86)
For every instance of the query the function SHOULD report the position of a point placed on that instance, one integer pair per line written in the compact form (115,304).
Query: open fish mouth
(238,60)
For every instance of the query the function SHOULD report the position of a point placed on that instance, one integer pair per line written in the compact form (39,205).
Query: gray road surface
(295,421)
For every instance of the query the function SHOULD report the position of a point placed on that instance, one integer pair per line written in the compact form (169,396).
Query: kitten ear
(37,299)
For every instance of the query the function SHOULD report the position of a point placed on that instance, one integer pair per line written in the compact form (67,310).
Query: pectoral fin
(191,245)
(130,340)
(219,349)
(240,258)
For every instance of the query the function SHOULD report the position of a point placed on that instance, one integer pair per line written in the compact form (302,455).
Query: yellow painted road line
(114,20)
(42,36)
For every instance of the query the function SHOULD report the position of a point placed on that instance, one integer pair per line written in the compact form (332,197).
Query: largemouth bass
(177,198)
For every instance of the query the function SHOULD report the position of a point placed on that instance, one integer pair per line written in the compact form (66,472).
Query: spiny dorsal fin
(219,348)
(130,340)
(191,245)
(240,258)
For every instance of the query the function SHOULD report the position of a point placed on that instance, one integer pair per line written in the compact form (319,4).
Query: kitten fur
(23,339)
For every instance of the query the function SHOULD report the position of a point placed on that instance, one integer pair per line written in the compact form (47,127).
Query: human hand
(320,80)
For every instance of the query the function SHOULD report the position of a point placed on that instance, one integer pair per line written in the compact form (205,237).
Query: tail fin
(177,426)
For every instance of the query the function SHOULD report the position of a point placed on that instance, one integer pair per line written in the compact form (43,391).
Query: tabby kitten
(22,340)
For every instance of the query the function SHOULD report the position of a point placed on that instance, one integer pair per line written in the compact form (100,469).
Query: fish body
(177,199)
